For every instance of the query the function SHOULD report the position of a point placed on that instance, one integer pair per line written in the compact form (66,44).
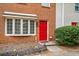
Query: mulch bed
(21,49)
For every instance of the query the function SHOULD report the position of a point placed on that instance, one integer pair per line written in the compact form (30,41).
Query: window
(20,27)
(31,27)
(9,26)
(76,6)
(25,26)
(17,26)
(45,4)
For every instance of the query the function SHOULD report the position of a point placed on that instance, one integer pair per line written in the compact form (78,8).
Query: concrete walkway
(63,51)
(54,50)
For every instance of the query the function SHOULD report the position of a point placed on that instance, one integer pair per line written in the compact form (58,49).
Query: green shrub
(67,35)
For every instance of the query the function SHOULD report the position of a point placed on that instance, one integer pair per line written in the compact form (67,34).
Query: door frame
(47,30)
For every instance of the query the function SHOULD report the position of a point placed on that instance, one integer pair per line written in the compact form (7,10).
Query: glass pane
(46,4)
(17,26)
(9,26)
(32,27)
(25,26)
(76,6)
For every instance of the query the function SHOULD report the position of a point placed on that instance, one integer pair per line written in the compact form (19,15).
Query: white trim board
(20,14)
(13,16)
(59,15)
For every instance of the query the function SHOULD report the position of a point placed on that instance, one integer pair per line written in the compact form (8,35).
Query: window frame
(9,28)
(21,20)
(42,4)
(75,7)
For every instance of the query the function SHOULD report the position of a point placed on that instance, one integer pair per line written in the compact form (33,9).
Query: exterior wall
(43,13)
(59,15)
(70,15)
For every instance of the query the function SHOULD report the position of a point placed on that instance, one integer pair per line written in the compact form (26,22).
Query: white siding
(70,14)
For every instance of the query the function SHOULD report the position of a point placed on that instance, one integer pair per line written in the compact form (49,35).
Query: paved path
(63,51)
(60,51)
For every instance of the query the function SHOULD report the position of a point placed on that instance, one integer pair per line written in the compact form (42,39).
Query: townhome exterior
(67,14)
(71,14)
(27,22)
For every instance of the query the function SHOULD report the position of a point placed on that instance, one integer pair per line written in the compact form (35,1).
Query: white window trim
(13,26)
(21,29)
(20,14)
(75,10)
(35,27)
(45,5)
(21,26)
(28,26)
(12,16)
(5,26)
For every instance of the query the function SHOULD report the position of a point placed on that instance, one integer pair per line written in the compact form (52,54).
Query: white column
(59,15)
(62,14)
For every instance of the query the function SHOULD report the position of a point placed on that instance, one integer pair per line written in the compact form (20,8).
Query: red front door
(42,31)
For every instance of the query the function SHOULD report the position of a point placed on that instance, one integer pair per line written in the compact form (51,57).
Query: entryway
(43,31)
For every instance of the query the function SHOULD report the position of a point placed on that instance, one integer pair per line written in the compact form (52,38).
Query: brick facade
(43,13)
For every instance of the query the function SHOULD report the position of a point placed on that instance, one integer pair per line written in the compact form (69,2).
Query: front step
(49,43)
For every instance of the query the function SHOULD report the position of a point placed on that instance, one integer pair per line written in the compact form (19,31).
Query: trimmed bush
(67,35)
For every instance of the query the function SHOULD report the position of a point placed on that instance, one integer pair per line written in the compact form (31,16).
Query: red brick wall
(44,13)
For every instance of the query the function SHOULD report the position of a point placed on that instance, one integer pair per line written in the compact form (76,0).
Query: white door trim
(47,31)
